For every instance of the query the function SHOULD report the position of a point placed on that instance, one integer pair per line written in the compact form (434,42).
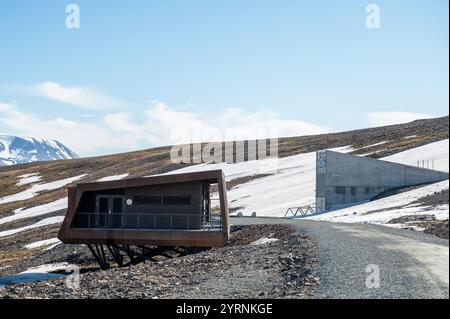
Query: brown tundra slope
(157,160)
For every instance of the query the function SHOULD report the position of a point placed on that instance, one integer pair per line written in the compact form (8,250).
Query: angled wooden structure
(161,210)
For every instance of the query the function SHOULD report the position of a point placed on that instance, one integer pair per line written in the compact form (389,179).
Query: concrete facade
(343,179)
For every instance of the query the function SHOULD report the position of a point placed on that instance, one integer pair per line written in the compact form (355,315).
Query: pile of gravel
(425,222)
(437,228)
(433,200)
(411,218)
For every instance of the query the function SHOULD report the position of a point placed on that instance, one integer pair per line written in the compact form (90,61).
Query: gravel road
(411,264)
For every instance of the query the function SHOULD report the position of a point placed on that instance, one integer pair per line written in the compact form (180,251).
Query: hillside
(33,196)
(269,189)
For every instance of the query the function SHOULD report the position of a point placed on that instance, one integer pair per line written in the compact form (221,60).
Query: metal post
(99,255)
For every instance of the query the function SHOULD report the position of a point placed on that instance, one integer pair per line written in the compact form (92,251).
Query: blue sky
(134,69)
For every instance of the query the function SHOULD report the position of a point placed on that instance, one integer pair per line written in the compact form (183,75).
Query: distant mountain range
(19,150)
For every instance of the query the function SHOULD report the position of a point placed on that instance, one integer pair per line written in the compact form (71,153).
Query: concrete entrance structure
(342,179)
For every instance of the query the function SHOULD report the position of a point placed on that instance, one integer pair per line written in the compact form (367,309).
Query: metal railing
(149,222)
(215,222)
(307,210)
(426,164)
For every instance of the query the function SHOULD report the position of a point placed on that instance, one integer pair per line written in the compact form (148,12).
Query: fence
(426,164)
(302,211)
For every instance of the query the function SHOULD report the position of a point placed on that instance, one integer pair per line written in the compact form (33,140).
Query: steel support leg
(99,254)
(115,252)
(135,257)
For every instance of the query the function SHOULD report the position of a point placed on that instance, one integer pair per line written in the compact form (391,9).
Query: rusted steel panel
(151,238)
(152,180)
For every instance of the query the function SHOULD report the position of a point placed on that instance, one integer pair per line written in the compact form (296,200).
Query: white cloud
(78,96)
(82,137)
(121,122)
(162,125)
(157,125)
(389,118)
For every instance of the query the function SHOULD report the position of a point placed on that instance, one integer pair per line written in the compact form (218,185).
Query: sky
(138,74)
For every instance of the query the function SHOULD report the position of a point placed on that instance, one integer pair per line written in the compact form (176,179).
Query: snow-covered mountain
(18,150)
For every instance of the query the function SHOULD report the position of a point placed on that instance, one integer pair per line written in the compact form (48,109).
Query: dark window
(340,190)
(116,218)
(177,200)
(368,190)
(103,205)
(117,205)
(103,209)
(147,200)
(353,190)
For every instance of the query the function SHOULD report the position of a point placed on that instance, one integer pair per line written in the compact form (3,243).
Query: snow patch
(37,188)
(372,145)
(112,178)
(41,223)
(437,151)
(22,213)
(28,179)
(264,240)
(43,272)
(43,243)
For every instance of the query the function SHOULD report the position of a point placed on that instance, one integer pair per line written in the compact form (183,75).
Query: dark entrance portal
(109,211)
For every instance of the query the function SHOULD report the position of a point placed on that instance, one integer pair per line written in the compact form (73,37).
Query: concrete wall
(342,179)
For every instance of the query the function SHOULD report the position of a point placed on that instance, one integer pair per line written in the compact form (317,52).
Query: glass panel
(117,205)
(147,200)
(177,200)
(340,190)
(103,209)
